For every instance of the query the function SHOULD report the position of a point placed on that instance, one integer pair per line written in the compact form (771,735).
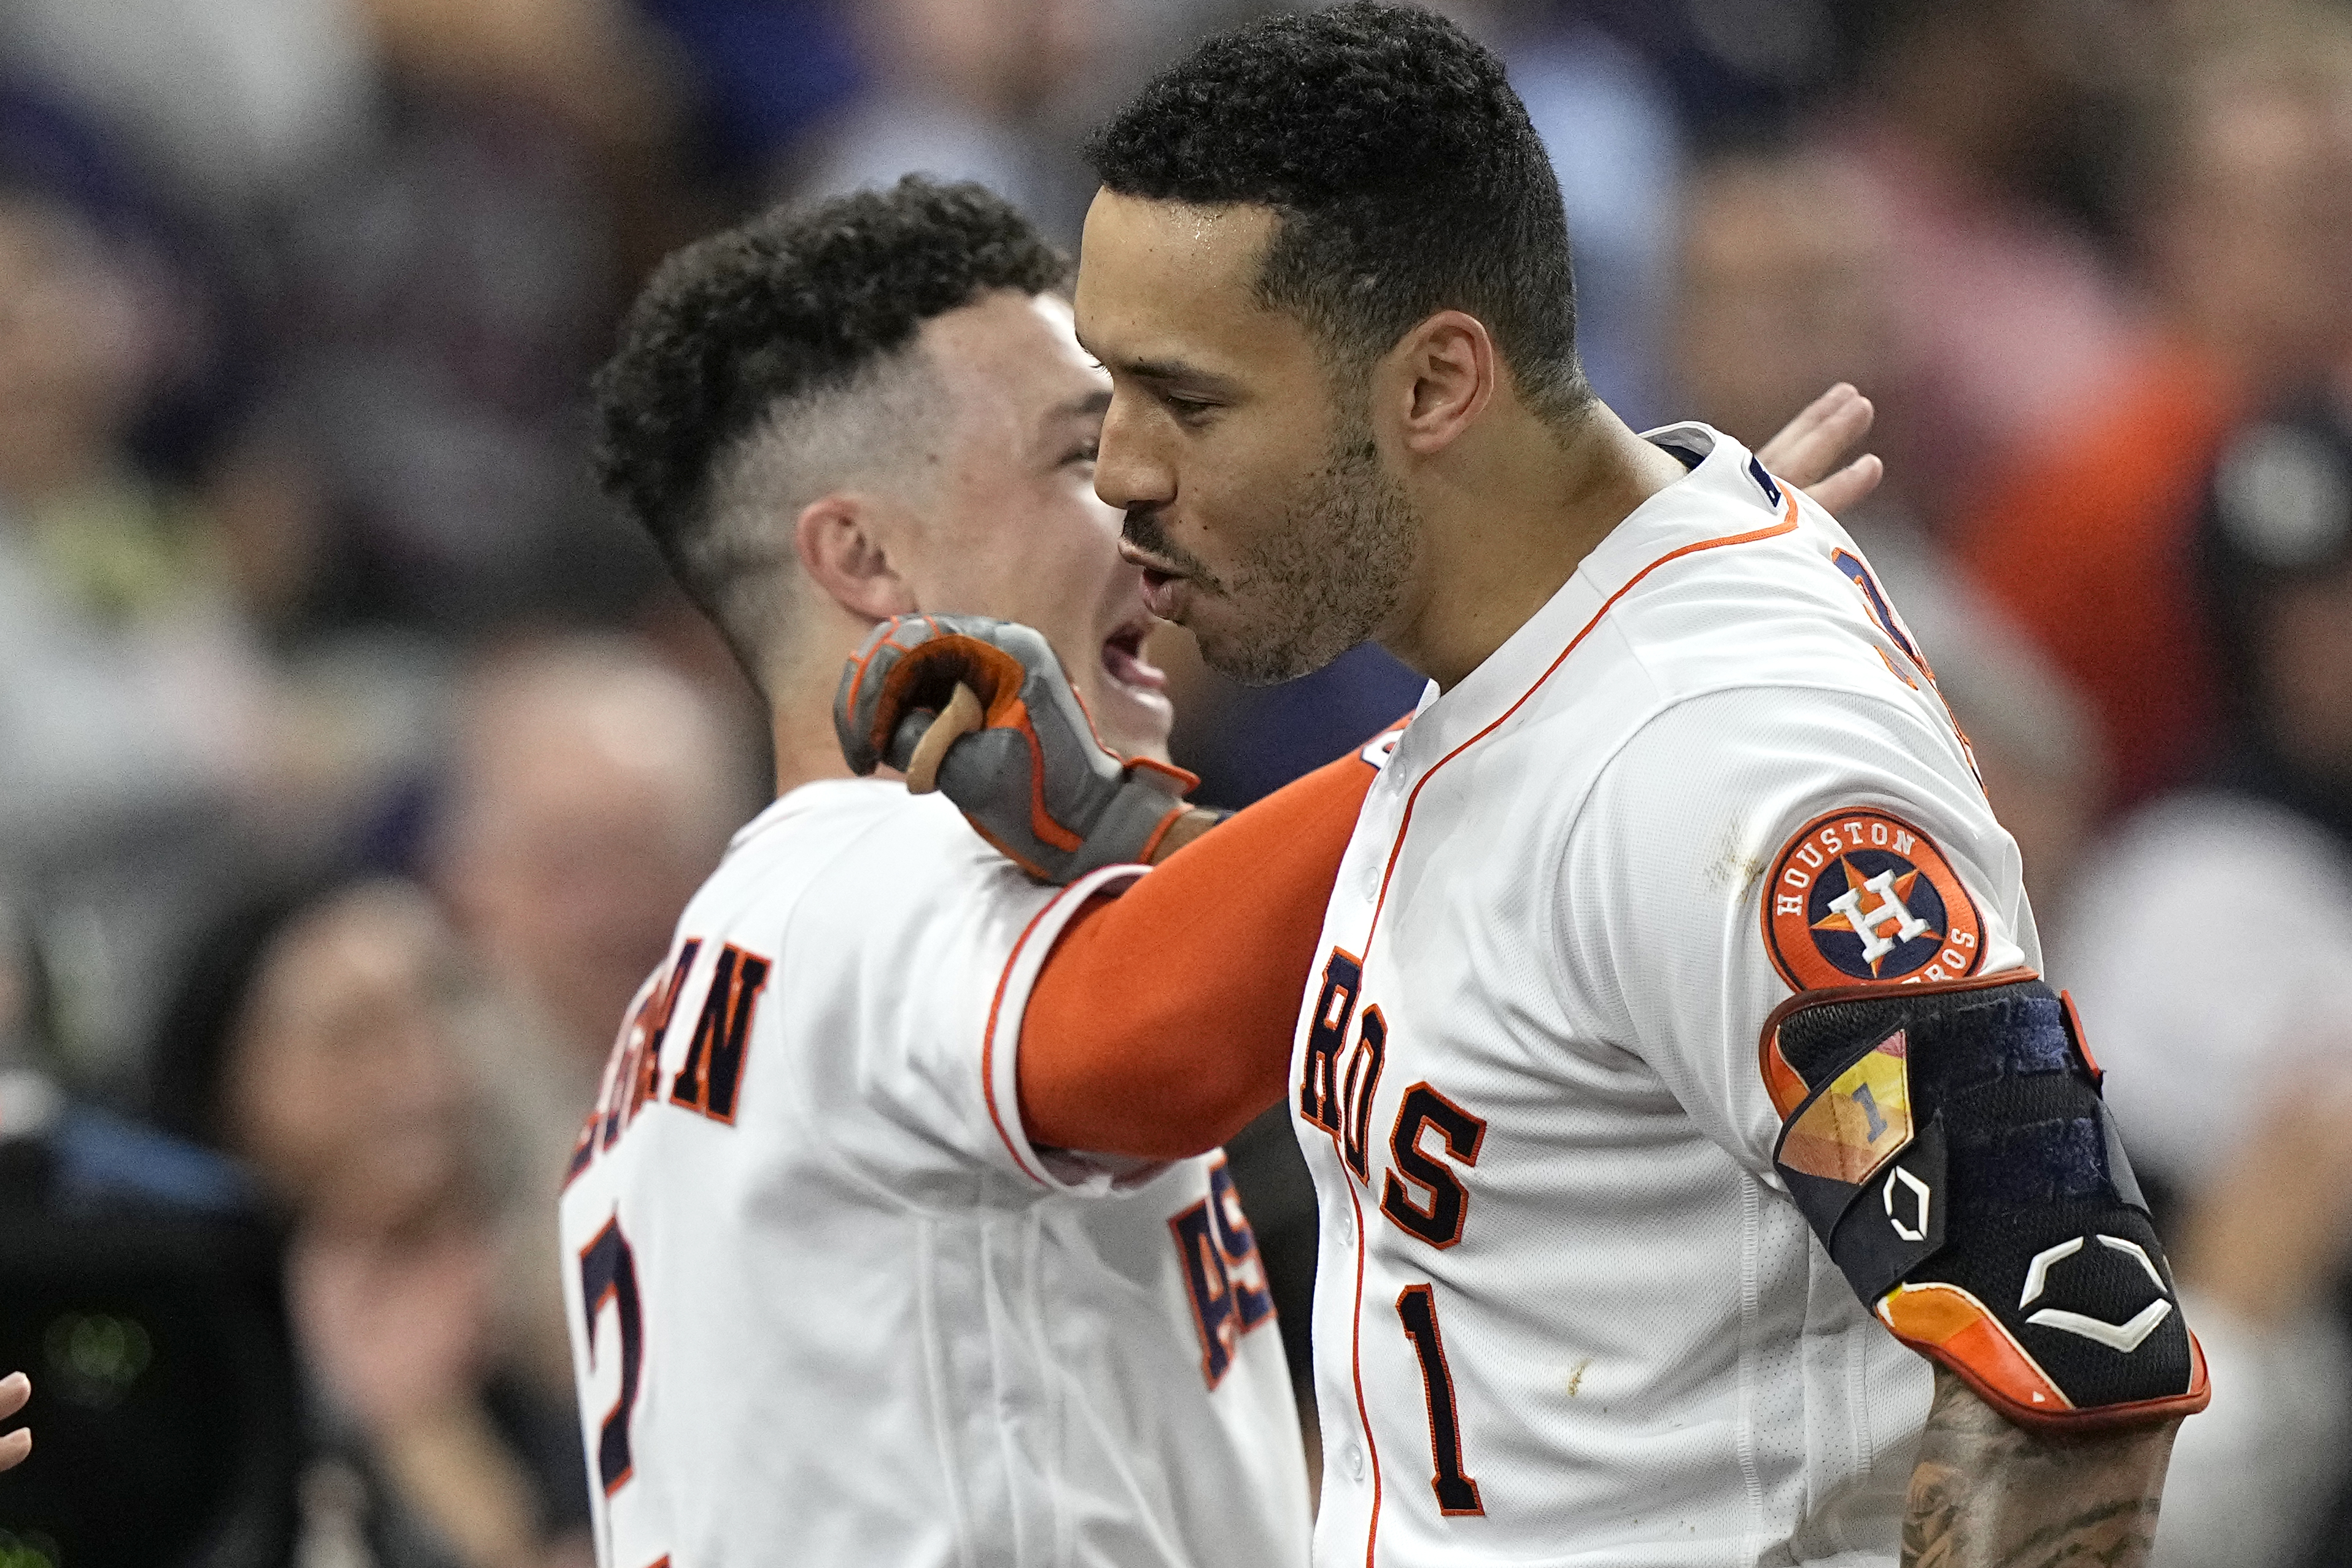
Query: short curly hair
(1406,172)
(745,326)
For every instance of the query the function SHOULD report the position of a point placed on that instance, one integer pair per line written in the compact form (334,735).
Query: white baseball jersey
(828,1304)
(1565,1312)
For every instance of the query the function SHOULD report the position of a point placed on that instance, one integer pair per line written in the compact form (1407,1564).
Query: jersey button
(1347,1227)
(1355,1462)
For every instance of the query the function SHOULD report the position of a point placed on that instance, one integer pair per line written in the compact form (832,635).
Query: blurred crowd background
(355,759)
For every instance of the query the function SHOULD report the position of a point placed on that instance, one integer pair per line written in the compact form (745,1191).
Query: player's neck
(800,718)
(1505,524)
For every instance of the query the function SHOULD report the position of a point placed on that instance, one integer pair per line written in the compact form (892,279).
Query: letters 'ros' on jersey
(1566,1310)
(829,1305)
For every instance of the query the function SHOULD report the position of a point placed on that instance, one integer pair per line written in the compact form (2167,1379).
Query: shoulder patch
(1862,896)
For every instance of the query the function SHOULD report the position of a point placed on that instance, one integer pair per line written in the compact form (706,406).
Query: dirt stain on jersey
(1734,862)
(1576,1377)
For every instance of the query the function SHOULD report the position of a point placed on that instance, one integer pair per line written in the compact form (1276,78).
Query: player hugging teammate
(1673,1052)
(830,1303)
(1657,1010)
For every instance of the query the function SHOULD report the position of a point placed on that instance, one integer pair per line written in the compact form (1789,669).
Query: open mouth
(1123,660)
(1160,585)
(1156,574)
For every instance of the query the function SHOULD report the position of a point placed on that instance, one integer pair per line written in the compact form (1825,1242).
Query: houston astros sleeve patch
(1861,896)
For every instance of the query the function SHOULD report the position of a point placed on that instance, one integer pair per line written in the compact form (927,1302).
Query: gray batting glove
(980,711)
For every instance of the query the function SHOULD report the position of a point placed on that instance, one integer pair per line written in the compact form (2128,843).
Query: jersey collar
(1691,511)
(816,794)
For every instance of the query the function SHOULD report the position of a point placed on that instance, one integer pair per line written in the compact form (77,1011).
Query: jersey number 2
(608,1272)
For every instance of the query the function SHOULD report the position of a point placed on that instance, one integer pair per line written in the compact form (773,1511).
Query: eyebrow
(1089,407)
(1168,372)
(1165,370)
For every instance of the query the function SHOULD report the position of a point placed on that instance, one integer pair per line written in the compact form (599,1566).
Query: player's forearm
(1988,1493)
(1161,1022)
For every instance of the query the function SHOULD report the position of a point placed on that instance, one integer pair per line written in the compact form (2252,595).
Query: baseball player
(1673,1060)
(830,1302)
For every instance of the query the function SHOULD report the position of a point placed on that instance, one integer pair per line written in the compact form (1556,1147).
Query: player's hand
(14,1389)
(980,711)
(1807,449)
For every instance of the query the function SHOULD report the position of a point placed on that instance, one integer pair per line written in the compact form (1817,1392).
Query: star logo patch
(1857,897)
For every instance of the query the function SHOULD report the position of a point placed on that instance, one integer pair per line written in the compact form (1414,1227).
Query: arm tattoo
(1989,1494)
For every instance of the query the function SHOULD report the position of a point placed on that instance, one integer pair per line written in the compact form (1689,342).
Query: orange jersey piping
(1787,524)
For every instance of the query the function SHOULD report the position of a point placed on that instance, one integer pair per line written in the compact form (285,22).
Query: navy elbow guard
(1948,1143)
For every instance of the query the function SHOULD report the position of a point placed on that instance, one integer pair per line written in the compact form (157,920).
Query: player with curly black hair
(1677,964)
(789,308)
(827,417)
(828,1304)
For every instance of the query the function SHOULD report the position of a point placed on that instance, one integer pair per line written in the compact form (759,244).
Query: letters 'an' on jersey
(1567,1312)
(829,1305)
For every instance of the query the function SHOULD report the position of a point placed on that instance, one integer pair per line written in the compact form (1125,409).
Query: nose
(1128,471)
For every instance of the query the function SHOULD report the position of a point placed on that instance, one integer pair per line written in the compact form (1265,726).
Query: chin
(1270,654)
(1135,723)
(1245,664)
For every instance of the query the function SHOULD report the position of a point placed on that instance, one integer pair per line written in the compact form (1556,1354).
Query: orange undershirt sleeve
(1161,1022)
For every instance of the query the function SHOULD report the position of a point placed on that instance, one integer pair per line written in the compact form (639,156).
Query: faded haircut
(773,363)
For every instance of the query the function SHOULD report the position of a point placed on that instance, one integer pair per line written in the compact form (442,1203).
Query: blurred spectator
(237,97)
(2248,226)
(2005,319)
(196,332)
(446,287)
(763,71)
(1002,91)
(590,792)
(119,551)
(135,707)
(1783,288)
(1737,68)
(333,1043)
(2213,959)
(1783,283)
(959,89)
(589,62)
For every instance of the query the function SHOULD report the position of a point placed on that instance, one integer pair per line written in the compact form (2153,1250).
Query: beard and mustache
(1328,572)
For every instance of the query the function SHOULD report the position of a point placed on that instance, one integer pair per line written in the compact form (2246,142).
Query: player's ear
(1444,375)
(838,537)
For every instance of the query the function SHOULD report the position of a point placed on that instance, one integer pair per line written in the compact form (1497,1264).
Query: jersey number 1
(1456,1493)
